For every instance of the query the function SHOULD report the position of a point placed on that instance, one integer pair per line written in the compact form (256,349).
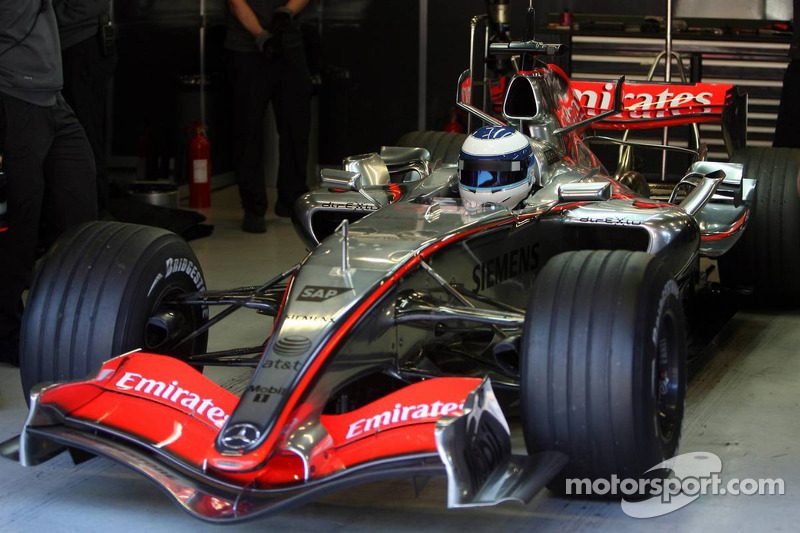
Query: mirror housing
(593,191)
(371,167)
(340,179)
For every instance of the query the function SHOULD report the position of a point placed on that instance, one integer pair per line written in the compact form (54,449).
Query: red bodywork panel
(651,105)
(168,405)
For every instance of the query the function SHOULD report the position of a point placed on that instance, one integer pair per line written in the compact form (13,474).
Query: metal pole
(109,103)
(485,64)
(422,107)
(473,25)
(667,79)
(203,63)
(668,70)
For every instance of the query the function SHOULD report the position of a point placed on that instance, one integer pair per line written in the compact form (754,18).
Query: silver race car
(444,279)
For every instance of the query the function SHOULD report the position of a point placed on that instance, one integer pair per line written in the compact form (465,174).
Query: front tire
(603,364)
(103,290)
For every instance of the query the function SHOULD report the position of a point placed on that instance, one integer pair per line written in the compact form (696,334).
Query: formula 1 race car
(444,277)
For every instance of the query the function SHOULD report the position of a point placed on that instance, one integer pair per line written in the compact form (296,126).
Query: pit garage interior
(381,69)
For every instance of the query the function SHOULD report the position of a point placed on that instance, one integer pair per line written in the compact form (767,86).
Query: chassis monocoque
(391,337)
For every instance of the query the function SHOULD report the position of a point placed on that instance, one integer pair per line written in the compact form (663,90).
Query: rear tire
(94,293)
(444,146)
(603,364)
(767,256)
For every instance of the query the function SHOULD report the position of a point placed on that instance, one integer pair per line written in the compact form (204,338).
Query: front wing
(132,413)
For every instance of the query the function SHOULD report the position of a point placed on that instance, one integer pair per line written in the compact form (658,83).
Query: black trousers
(285,82)
(787,129)
(87,76)
(51,186)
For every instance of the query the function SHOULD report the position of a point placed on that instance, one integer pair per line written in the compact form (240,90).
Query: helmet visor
(483,174)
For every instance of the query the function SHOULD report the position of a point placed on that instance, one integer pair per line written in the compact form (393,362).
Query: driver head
(495,166)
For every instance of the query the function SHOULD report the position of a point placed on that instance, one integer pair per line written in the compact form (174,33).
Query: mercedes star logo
(241,436)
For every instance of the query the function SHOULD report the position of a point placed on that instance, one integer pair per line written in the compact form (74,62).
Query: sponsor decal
(611,221)
(180,264)
(186,266)
(650,101)
(282,364)
(172,392)
(320,293)
(292,345)
(241,436)
(506,266)
(551,155)
(350,206)
(401,414)
(262,394)
(310,318)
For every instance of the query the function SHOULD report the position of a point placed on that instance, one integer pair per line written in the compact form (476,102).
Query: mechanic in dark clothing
(47,159)
(269,64)
(89,58)
(787,129)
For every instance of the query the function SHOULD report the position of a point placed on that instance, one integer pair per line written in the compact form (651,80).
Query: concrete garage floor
(743,406)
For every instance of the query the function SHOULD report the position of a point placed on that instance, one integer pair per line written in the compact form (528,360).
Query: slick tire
(99,292)
(603,364)
(444,146)
(767,256)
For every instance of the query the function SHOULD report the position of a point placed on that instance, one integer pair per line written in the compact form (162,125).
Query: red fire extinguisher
(200,169)
(453,123)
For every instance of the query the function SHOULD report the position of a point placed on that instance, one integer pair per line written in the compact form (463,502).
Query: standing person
(269,64)
(47,160)
(88,54)
(787,129)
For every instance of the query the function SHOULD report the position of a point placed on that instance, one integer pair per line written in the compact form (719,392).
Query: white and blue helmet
(495,166)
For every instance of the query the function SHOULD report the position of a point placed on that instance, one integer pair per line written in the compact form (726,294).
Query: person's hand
(270,41)
(267,44)
(281,21)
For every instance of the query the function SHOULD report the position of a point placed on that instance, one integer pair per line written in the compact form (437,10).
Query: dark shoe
(282,210)
(254,223)
(9,350)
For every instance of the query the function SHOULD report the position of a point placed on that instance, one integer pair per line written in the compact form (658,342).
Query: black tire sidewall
(169,270)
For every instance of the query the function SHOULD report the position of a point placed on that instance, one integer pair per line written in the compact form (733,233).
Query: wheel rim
(667,383)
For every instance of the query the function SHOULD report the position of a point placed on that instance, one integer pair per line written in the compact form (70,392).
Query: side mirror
(594,191)
(371,167)
(340,179)
(349,181)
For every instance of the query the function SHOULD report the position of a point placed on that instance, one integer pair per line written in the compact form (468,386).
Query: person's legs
(293,118)
(26,133)
(251,95)
(69,173)
(87,74)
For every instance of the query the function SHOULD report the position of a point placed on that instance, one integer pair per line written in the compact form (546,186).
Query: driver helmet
(495,166)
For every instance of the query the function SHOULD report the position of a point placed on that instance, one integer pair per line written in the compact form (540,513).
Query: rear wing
(654,105)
